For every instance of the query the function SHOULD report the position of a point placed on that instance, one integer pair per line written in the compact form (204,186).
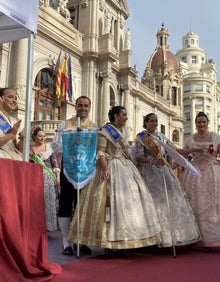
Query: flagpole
(26,147)
(78,204)
(78,199)
(169,214)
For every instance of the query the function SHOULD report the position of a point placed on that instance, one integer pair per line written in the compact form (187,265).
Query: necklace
(202,135)
(39,149)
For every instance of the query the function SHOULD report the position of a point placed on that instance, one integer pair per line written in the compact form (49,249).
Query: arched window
(175,136)
(47,106)
(174,96)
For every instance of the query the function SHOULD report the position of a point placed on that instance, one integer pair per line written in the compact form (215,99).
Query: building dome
(163,60)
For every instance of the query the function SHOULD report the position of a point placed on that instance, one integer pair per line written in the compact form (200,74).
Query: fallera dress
(204,192)
(132,221)
(50,188)
(8,150)
(177,221)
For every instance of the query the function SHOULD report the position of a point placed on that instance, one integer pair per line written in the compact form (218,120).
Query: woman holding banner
(116,209)
(176,218)
(11,139)
(42,153)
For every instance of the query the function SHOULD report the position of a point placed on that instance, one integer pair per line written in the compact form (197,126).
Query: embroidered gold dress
(204,192)
(8,150)
(179,218)
(133,217)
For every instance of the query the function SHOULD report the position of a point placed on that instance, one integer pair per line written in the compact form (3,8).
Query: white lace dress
(179,218)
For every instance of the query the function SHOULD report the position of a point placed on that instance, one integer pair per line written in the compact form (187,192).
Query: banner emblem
(79,157)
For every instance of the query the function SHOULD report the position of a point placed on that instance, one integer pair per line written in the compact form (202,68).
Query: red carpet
(188,266)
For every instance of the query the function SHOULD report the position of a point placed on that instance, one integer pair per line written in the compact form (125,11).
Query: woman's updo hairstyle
(2,90)
(147,118)
(114,110)
(35,132)
(201,114)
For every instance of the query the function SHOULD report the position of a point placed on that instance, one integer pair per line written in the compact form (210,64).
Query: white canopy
(18,19)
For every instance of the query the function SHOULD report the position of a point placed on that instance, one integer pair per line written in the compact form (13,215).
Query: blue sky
(146,17)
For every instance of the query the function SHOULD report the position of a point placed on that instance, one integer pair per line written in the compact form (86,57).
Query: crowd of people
(128,204)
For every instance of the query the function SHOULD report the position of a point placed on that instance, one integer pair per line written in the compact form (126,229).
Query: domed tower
(162,73)
(200,87)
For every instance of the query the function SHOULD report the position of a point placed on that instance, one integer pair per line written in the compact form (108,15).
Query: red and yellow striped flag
(64,78)
(62,72)
(58,76)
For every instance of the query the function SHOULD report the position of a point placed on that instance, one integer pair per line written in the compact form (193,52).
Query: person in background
(116,209)
(175,214)
(42,153)
(68,195)
(204,192)
(11,137)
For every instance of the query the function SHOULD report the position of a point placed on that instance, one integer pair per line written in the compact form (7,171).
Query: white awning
(18,18)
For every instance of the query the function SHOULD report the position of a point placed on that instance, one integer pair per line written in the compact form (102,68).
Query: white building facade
(201,90)
(94,34)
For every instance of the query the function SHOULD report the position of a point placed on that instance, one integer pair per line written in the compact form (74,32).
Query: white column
(19,63)
(18,69)
(127,102)
(192,114)
(105,101)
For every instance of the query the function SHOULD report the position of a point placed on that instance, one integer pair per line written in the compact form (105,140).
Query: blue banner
(79,157)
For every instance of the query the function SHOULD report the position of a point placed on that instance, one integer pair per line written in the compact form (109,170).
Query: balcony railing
(48,126)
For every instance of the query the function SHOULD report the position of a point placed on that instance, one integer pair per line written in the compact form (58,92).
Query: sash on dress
(179,159)
(113,132)
(79,156)
(149,143)
(115,136)
(38,160)
(4,125)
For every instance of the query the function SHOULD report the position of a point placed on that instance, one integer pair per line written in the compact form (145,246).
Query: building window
(186,88)
(198,87)
(187,102)
(183,59)
(44,80)
(194,60)
(192,41)
(162,129)
(198,102)
(187,117)
(174,96)
(208,89)
(74,15)
(47,106)
(175,136)
(159,90)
